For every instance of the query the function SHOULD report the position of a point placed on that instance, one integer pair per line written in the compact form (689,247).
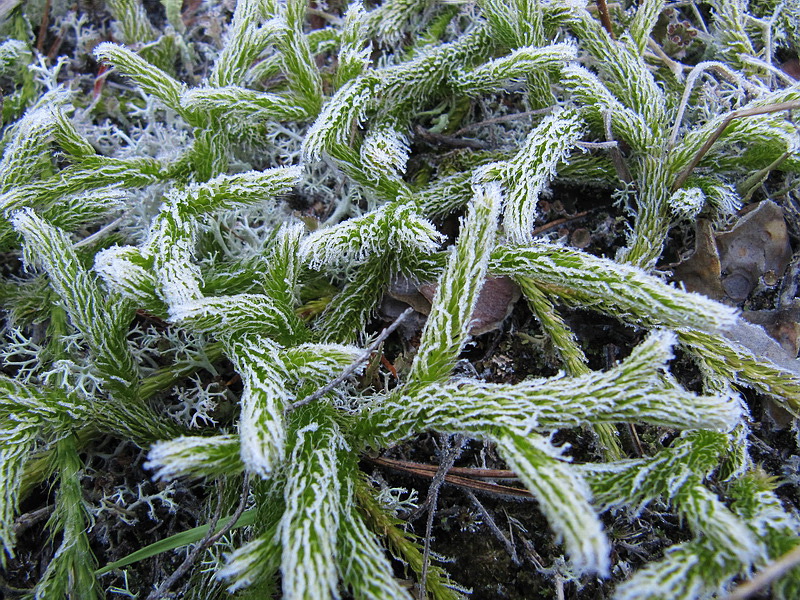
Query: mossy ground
(586,217)
(475,558)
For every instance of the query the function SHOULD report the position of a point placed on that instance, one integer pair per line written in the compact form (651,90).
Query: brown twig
(637,443)
(56,45)
(423,469)
(27,520)
(737,114)
(767,575)
(605,17)
(503,119)
(210,539)
(557,222)
(354,366)
(43,27)
(494,489)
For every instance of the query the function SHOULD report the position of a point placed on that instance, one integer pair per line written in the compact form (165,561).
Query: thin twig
(767,575)
(56,45)
(426,551)
(354,366)
(239,511)
(737,114)
(559,582)
(425,469)
(605,17)
(90,239)
(674,66)
(489,520)
(27,520)
(493,489)
(210,539)
(451,453)
(636,441)
(449,456)
(43,27)
(531,554)
(561,221)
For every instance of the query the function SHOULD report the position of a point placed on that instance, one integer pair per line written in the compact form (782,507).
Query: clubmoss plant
(150,214)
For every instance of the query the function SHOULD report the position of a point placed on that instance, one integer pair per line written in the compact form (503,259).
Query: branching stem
(737,114)
(353,367)
(503,119)
(208,541)
(451,453)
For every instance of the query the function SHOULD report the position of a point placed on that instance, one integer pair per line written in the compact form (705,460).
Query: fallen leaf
(756,250)
(729,265)
(495,302)
(701,271)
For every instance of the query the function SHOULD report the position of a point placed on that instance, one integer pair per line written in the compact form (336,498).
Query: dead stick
(210,539)
(43,26)
(451,453)
(493,489)
(605,17)
(449,140)
(557,222)
(502,119)
(352,368)
(424,468)
(767,575)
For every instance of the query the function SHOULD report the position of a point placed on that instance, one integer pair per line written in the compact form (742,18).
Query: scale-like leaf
(447,328)
(627,292)
(262,427)
(563,497)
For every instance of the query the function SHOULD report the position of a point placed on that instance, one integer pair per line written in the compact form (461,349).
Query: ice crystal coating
(241,200)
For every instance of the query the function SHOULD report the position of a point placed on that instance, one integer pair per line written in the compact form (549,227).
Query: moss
(199,225)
